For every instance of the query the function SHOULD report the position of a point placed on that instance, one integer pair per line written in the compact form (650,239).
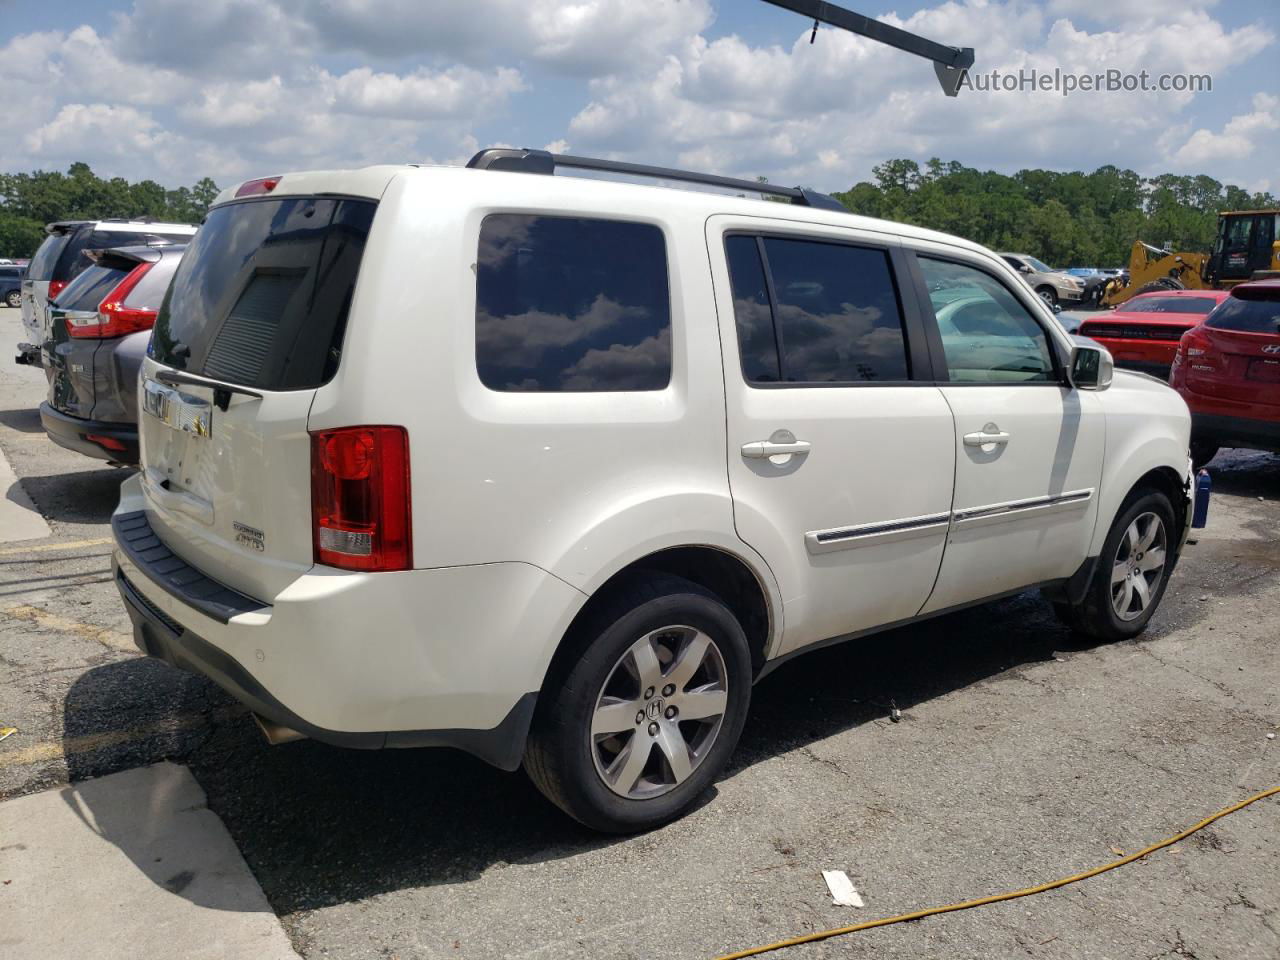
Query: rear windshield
(42,263)
(89,289)
(1247,316)
(1172,305)
(261,296)
(71,263)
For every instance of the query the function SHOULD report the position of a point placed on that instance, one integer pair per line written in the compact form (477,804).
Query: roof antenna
(813,36)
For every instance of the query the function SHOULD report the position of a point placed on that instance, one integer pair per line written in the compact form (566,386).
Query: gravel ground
(1022,755)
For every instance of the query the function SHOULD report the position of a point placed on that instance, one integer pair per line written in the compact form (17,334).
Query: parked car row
(59,259)
(1219,349)
(89,299)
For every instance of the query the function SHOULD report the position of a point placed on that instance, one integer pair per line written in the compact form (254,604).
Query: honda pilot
(553,468)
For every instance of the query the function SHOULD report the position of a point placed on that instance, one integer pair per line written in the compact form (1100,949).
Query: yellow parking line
(111,639)
(48,547)
(89,742)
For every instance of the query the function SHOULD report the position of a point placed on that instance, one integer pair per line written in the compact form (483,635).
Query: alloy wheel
(659,712)
(1138,566)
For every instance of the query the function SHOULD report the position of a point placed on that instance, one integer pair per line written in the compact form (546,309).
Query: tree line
(1065,219)
(30,200)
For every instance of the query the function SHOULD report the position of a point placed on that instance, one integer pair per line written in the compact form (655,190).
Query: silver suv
(1051,285)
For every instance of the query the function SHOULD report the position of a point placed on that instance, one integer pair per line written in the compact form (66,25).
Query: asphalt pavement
(1022,755)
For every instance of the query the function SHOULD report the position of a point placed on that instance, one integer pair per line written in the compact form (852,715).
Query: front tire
(1131,574)
(13,298)
(1048,295)
(631,731)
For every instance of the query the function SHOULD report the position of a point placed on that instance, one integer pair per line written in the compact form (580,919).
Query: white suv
(552,468)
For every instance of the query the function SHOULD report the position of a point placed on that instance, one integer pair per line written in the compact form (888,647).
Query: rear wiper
(221,391)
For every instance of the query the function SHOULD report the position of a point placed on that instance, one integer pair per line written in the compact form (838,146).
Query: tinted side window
(757,344)
(572,305)
(838,318)
(1247,316)
(987,335)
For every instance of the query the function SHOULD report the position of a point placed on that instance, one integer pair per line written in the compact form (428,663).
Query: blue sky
(176,90)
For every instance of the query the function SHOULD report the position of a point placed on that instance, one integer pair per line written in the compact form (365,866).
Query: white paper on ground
(843,893)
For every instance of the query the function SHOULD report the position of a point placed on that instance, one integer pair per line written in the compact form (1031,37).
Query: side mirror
(1091,366)
(1025,269)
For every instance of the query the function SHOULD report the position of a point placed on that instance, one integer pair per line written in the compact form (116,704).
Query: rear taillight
(1195,349)
(114,319)
(252,188)
(55,288)
(360,498)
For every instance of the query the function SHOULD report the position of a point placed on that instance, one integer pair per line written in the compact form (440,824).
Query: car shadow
(77,496)
(26,420)
(320,825)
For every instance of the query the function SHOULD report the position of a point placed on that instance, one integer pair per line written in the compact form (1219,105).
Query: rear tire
(1131,574)
(13,298)
(640,718)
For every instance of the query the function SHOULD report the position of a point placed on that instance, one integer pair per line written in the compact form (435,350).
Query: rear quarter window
(572,304)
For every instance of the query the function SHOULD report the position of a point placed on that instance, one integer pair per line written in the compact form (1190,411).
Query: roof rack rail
(523,160)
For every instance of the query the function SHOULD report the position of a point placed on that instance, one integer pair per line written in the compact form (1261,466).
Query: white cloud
(1237,140)
(235,88)
(822,113)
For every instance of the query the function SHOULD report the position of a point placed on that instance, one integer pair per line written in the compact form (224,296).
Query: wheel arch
(746,587)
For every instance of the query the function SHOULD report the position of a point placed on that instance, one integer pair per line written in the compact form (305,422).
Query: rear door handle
(981,439)
(763,449)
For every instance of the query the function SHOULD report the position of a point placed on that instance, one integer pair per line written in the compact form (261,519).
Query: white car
(553,468)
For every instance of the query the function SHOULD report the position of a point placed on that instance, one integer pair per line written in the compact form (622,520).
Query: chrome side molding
(842,538)
(887,531)
(1015,509)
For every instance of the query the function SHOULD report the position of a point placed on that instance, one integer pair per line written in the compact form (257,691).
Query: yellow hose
(997,898)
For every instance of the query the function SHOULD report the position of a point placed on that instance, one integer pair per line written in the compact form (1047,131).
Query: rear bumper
(1231,431)
(105,440)
(446,657)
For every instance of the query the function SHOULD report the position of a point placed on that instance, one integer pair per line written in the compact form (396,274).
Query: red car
(1143,335)
(1228,371)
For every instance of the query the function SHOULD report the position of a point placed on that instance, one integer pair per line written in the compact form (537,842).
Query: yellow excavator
(1247,247)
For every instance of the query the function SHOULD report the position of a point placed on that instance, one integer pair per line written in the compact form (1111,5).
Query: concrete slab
(131,866)
(19,518)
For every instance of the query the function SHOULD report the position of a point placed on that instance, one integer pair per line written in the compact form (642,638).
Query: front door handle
(763,449)
(982,438)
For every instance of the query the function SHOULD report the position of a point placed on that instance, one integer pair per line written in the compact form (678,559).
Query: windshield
(261,295)
(1199,305)
(1040,265)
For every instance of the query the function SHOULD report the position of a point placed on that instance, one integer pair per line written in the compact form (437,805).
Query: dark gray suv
(98,330)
